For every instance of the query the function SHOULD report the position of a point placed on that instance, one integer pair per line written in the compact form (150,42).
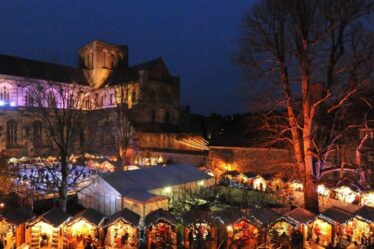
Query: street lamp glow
(167,190)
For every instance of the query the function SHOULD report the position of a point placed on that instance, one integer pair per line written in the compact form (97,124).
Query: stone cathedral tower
(99,58)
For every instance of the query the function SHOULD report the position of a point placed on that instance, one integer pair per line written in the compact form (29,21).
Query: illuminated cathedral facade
(151,95)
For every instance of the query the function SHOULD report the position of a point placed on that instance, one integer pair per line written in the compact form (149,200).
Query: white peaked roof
(136,184)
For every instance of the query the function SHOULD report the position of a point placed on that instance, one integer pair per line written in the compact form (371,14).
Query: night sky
(196,39)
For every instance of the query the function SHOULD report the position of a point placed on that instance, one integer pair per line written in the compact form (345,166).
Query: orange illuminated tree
(315,55)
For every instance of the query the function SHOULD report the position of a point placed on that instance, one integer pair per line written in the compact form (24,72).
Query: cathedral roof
(17,66)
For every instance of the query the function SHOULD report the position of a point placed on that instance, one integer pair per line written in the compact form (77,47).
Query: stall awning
(365,212)
(55,217)
(159,214)
(229,216)
(18,216)
(90,215)
(301,215)
(127,215)
(197,216)
(263,216)
(338,215)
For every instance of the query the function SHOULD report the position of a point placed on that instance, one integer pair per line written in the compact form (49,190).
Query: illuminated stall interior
(362,223)
(323,190)
(45,230)
(263,218)
(122,230)
(259,183)
(282,226)
(12,227)
(161,229)
(327,224)
(296,186)
(242,232)
(321,231)
(83,228)
(278,183)
(367,199)
(199,228)
(345,194)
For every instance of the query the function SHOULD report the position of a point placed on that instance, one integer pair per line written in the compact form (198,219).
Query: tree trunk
(63,188)
(121,158)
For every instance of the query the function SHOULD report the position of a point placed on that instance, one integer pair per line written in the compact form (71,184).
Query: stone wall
(256,160)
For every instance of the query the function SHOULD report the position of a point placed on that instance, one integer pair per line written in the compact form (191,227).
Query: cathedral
(150,95)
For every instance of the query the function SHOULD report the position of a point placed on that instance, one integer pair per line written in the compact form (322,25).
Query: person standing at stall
(364,240)
(2,243)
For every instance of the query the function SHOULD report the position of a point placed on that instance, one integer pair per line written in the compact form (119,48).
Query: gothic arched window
(11,133)
(37,128)
(4,94)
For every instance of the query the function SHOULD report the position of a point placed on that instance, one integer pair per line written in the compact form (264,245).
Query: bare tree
(318,54)
(60,107)
(121,127)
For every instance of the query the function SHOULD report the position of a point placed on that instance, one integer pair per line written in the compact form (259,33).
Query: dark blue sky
(196,39)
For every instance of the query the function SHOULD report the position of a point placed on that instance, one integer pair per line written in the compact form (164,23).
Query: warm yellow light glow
(296,186)
(167,190)
(81,227)
(368,199)
(228,167)
(259,183)
(229,229)
(44,227)
(200,183)
(323,190)
(345,194)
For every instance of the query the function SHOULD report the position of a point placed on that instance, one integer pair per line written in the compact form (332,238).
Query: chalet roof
(250,174)
(229,215)
(263,215)
(159,214)
(267,176)
(91,216)
(126,215)
(136,183)
(301,215)
(197,215)
(366,213)
(337,215)
(18,216)
(55,217)
(17,66)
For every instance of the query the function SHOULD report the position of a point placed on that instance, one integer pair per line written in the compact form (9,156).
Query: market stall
(83,229)
(367,199)
(362,224)
(12,227)
(301,217)
(45,231)
(323,190)
(276,184)
(320,231)
(259,183)
(122,230)
(242,233)
(328,224)
(345,194)
(160,230)
(282,227)
(199,229)
(296,185)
